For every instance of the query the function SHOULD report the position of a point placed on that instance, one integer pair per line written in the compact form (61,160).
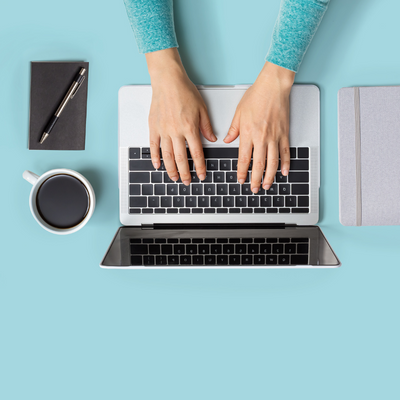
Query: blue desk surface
(70,330)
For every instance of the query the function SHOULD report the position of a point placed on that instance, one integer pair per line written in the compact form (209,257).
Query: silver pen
(76,84)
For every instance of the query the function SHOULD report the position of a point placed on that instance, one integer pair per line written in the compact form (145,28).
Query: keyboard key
(134,190)
(145,150)
(141,165)
(145,155)
(147,211)
(173,260)
(277,248)
(159,190)
(166,248)
(208,240)
(216,201)
(222,189)
(216,249)
(138,201)
(185,260)
(299,259)
(148,260)
(241,249)
(293,152)
(179,249)
(302,248)
(184,190)
(135,240)
(147,190)
(234,210)
(197,240)
(247,260)
(208,178)
(234,165)
(198,260)
(299,165)
(134,211)
(148,240)
(197,210)
(290,201)
(191,165)
(228,201)
(209,210)
(290,248)
(284,189)
(234,189)
(191,249)
(191,201)
(298,176)
(303,152)
(161,260)
(278,201)
(280,178)
(203,201)
(300,189)
(246,189)
(139,177)
(204,249)
(271,260)
(259,260)
(209,189)
(184,211)
(212,165)
(284,240)
(156,177)
(265,248)
(172,211)
(241,201)
(167,179)
(179,201)
(299,240)
(194,177)
(222,240)
(300,210)
(221,152)
(273,189)
(272,210)
(283,259)
(222,260)
(303,201)
(136,260)
(228,248)
(166,202)
(234,259)
(253,248)
(231,177)
(134,153)
(284,210)
(219,177)
(265,201)
(210,260)
(259,240)
(222,210)
(253,201)
(154,249)
(173,240)
(225,165)
(197,189)
(172,189)
(247,210)
(153,201)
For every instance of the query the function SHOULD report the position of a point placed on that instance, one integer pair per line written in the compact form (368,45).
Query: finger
(197,153)
(245,149)
(181,159)
(272,165)
(205,126)
(234,129)
(168,158)
(259,154)
(284,151)
(155,149)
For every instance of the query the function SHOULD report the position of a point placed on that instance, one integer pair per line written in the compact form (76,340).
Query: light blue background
(70,330)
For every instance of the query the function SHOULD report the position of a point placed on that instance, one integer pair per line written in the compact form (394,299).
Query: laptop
(218,223)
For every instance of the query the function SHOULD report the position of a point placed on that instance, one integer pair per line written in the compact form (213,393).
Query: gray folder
(369,155)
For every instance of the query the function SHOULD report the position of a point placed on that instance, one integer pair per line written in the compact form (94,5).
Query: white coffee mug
(37,182)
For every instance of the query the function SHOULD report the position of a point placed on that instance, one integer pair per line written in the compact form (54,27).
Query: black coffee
(62,201)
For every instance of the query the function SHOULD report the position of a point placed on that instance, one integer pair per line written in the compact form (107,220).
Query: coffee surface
(62,201)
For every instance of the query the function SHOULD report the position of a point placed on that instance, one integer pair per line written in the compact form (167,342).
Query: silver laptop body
(221,101)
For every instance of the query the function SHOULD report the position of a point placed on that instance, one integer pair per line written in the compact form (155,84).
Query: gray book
(369,155)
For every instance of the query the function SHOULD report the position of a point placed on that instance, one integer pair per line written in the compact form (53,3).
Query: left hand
(262,121)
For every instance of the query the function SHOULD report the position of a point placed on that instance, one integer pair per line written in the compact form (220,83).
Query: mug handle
(30,177)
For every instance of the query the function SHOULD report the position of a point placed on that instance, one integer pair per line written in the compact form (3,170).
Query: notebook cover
(50,82)
(369,155)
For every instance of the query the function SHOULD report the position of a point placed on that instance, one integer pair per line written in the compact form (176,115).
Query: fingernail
(285,172)
(241,181)
(254,189)
(156,164)
(214,138)
(266,187)
(202,177)
(174,178)
(187,183)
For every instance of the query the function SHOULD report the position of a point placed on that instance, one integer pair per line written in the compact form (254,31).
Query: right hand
(177,114)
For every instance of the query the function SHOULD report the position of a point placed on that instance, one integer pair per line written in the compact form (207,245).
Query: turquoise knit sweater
(298,20)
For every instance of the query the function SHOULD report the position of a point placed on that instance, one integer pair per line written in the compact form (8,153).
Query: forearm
(152,22)
(297,22)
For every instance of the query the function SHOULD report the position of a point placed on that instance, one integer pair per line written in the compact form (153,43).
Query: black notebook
(50,82)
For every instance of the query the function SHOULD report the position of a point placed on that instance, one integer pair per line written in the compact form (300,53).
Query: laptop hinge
(147,226)
(216,226)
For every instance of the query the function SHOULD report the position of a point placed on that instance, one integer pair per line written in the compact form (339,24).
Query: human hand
(177,113)
(262,121)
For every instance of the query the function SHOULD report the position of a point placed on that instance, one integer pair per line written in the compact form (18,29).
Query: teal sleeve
(152,22)
(297,22)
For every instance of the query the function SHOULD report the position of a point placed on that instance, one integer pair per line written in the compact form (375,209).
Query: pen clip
(77,88)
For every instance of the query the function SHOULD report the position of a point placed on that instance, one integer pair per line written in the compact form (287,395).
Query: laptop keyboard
(219,251)
(153,192)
